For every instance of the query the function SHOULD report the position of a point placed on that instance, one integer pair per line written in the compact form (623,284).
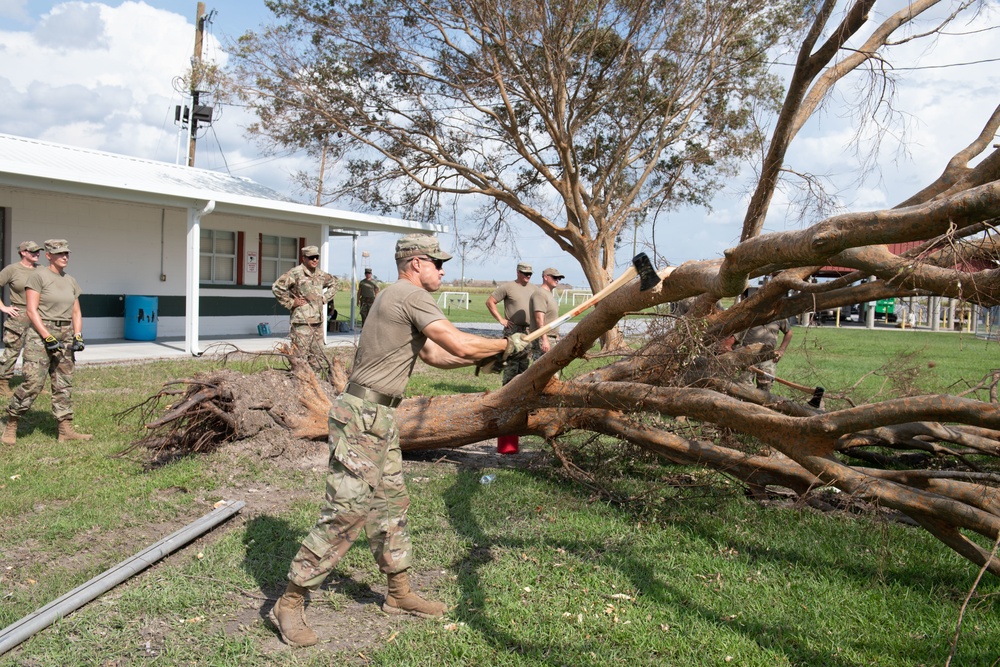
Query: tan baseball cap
(28,246)
(553,272)
(412,245)
(524,268)
(57,246)
(310,251)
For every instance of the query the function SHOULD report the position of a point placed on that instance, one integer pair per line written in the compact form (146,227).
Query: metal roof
(39,165)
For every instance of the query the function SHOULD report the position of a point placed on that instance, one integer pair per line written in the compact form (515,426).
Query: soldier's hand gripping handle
(517,347)
(51,344)
(77,343)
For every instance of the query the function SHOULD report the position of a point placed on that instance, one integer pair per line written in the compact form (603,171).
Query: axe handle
(629,274)
(787,383)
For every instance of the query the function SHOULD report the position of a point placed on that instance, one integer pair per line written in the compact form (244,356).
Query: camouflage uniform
(306,322)
(14,328)
(364,489)
(364,483)
(367,291)
(39,362)
(766,334)
(516,300)
(57,294)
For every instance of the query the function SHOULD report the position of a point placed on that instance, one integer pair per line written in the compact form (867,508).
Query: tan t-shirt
(766,333)
(56,294)
(543,301)
(393,337)
(516,300)
(16,276)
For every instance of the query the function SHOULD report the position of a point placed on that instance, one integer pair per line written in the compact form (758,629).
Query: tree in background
(586,118)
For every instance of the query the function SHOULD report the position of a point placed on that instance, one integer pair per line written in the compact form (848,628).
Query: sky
(102,75)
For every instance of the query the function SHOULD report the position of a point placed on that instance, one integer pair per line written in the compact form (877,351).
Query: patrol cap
(57,246)
(367,271)
(553,272)
(310,251)
(28,246)
(524,268)
(412,245)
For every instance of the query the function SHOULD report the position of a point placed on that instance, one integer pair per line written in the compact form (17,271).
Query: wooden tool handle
(629,274)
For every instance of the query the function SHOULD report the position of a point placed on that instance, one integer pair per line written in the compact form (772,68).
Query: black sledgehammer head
(647,274)
(817,398)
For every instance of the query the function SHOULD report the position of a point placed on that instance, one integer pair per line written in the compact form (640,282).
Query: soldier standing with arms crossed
(53,304)
(304,291)
(16,324)
(516,298)
(364,484)
(367,291)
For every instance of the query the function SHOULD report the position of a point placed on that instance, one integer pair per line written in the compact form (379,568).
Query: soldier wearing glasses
(516,298)
(305,291)
(52,298)
(364,485)
(16,325)
(545,309)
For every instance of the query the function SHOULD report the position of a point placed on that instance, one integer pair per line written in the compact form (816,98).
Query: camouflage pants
(364,489)
(39,362)
(14,333)
(307,341)
(365,307)
(515,368)
(770,366)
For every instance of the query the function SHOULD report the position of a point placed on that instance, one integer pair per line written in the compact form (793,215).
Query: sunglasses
(438,263)
(312,256)
(33,252)
(525,273)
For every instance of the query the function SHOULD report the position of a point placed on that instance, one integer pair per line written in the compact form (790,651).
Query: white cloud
(72,26)
(14,9)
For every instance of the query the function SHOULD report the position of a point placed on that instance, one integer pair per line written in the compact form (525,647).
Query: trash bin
(141,317)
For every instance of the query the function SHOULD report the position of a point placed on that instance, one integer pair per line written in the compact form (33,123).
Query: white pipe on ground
(35,622)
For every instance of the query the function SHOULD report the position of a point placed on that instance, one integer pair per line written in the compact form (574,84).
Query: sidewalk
(119,350)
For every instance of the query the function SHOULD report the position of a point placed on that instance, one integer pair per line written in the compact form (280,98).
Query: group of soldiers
(44,322)
(526,308)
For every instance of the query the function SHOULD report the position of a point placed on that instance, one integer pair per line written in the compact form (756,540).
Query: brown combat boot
(66,432)
(10,432)
(289,615)
(5,390)
(401,600)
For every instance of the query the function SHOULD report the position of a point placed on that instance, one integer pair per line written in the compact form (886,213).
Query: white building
(206,245)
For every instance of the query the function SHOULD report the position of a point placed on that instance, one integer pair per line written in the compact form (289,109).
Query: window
(218,257)
(278,254)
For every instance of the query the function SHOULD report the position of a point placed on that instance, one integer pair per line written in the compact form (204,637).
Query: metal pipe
(35,622)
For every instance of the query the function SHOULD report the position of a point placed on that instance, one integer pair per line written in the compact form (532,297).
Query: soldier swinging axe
(648,279)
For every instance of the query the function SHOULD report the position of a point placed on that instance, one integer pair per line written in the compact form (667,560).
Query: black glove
(77,343)
(51,344)
(492,364)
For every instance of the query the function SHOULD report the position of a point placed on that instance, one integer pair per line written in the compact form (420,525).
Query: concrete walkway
(117,350)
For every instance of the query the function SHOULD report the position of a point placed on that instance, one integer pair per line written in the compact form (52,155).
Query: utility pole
(198,112)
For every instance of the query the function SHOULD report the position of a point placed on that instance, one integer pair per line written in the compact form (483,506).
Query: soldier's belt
(366,394)
(58,323)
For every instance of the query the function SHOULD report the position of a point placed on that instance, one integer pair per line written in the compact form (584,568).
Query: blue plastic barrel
(141,317)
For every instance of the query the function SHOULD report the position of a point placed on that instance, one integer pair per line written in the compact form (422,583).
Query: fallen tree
(679,367)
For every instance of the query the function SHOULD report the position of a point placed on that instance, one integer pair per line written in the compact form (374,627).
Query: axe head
(647,273)
(817,398)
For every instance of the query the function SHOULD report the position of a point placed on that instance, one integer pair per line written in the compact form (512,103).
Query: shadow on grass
(270,544)
(647,575)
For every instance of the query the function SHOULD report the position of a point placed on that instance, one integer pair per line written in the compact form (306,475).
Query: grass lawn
(536,570)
